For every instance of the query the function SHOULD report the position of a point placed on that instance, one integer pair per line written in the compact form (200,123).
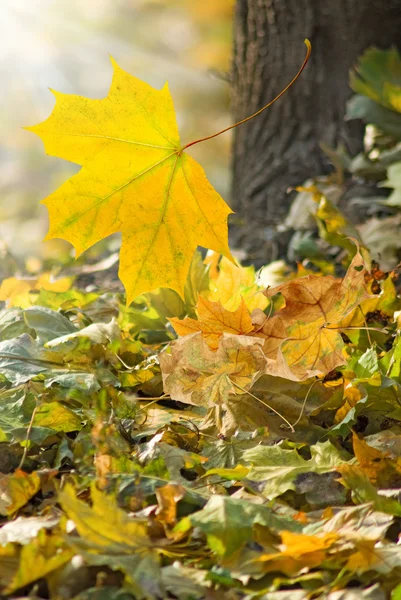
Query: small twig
(383,330)
(123,363)
(31,359)
(266,319)
(366,325)
(28,433)
(154,400)
(304,402)
(264,404)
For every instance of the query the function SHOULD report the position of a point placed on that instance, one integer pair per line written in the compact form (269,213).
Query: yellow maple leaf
(16,292)
(231,283)
(104,524)
(135,179)
(364,556)
(213,321)
(302,339)
(380,467)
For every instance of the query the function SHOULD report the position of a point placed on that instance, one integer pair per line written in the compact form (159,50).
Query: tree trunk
(281,147)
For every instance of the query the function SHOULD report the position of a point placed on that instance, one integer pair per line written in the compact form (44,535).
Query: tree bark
(281,148)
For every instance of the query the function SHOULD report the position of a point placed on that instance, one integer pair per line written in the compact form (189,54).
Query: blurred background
(65,45)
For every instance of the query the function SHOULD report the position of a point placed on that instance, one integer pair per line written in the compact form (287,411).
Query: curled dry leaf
(214,320)
(168,497)
(193,373)
(302,339)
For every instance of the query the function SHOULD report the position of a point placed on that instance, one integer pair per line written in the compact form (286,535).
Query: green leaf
(360,107)
(228,523)
(344,427)
(363,491)
(97,333)
(378,76)
(391,361)
(57,417)
(278,468)
(185,582)
(47,323)
(77,380)
(65,300)
(227,454)
(16,407)
(21,359)
(12,324)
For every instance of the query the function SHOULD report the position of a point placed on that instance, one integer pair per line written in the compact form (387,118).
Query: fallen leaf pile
(177,448)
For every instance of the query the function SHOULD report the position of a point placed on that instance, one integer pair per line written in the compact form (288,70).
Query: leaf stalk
(287,87)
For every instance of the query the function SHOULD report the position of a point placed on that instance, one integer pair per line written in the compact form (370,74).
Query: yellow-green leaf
(135,179)
(40,557)
(104,523)
(58,417)
(16,490)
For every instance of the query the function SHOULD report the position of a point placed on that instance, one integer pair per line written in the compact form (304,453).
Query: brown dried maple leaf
(195,374)
(302,339)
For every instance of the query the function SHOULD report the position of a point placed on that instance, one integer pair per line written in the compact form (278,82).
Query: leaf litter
(209,455)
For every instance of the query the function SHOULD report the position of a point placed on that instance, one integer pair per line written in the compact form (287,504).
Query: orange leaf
(298,551)
(213,321)
(167,497)
(16,490)
(381,469)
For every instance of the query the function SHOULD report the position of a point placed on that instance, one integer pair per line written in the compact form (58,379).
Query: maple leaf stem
(154,400)
(30,359)
(28,434)
(305,401)
(366,325)
(380,330)
(287,87)
(264,404)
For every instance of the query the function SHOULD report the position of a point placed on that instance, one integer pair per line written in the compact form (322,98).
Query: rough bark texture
(280,148)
